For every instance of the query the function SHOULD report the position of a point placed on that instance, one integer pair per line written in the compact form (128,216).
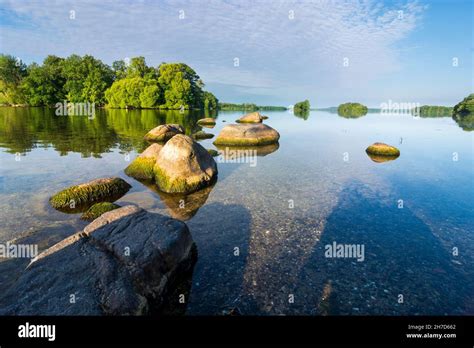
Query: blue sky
(287,50)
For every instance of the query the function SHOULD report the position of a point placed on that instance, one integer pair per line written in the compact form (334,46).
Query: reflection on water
(261,230)
(381,159)
(233,152)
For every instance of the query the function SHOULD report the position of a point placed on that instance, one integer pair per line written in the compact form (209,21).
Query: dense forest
(125,84)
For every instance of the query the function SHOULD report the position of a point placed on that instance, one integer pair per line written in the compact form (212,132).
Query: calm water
(257,253)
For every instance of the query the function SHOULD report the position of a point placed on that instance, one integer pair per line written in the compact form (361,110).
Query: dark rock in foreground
(123,263)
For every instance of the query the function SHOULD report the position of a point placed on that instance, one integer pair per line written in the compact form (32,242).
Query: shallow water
(262,230)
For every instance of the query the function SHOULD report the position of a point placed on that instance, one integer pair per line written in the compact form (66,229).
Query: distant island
(301,109)
(463,113)
(249,107)
(352,110)
(433,111)
(126,84)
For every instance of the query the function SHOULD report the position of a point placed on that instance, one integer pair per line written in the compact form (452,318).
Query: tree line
(125,84)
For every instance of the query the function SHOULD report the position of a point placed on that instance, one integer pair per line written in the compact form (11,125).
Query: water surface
(261,230)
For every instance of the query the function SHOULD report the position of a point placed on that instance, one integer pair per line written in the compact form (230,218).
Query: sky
(267,52)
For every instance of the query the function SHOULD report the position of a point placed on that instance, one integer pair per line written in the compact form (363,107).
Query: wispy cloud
(281,45)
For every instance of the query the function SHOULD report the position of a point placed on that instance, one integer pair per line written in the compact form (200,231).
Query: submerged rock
(208,121)
(253,117)
(80,197)
(98,209)
(142,167)
(164,132)
(381,149)
(247,135)
(184,166)
(202,135)
(125,262)
(233,152)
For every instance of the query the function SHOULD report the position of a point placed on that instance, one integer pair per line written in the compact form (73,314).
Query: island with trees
(463,113)
(352,110)
(131,84)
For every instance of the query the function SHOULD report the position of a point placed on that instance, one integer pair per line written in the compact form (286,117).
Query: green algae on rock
(381,149)
(97,210)
(142,167)
(200,135)
(164,132)
(184,166)
(247,135)
(84,195)
(252,117)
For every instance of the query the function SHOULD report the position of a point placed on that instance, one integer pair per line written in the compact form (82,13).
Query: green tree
(12,72)
(181,85)
(44,84)
(210,102)
(86,78)
(133,92)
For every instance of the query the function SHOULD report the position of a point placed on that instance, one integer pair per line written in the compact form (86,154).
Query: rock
(202,135)
(142,167)
(184,166)
(208,121)
(253,117)
(247,135)
(164,132)
(381,149)
(123,263)
(213,153)
(98,209)
(80,197)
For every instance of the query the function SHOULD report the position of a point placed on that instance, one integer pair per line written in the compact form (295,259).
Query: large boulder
(381,149)
(164,132)
(142,167)
(253,117)
(80,197)
(126,262)
(247,135)
(184,166)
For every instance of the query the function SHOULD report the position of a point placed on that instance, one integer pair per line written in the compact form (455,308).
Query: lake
(264,229)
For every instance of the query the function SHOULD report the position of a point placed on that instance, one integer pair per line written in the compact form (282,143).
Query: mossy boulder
(142,167)
(247,135)
(253,117)
(97,210)
(352,110)
(81,197)
(184,166)
(164,132)
(200,135)
(381,149)
(208,121)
